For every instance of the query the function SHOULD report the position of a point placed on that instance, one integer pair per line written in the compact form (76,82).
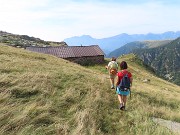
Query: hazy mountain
(165,60)
(111,43)
(129,47)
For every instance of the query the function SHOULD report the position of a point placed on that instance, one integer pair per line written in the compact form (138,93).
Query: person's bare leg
(124,99)
(112,82)
(120,99)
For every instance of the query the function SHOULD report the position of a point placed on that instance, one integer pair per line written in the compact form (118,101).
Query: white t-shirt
(113,64)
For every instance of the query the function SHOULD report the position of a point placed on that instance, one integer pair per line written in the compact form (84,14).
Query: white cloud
(57,20)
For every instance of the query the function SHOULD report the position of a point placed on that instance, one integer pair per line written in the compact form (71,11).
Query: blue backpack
(125,82)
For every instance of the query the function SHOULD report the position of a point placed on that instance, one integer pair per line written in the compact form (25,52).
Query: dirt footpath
(173,126)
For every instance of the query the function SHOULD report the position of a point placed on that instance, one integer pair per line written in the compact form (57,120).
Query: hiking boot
(121,106)
(112,87)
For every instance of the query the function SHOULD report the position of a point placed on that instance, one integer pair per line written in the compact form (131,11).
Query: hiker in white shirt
(112,67)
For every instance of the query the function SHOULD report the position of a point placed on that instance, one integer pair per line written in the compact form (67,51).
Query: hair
(113,59)
(123,65)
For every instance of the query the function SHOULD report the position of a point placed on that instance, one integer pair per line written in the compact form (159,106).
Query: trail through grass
(42,94)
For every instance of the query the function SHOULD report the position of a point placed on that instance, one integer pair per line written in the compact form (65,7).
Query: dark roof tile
(69,51)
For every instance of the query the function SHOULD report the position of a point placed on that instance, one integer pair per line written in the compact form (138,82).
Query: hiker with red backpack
(123,84)
(112,67)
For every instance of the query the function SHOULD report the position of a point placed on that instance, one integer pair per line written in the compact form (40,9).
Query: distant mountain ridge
(129,47)
(111,43)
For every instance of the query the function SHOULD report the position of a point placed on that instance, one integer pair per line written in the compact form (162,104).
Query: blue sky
(56,20)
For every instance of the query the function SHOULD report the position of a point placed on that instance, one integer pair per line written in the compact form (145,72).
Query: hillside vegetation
(45,95)
(163,56)
(129,47)
(23,41)
(165,60)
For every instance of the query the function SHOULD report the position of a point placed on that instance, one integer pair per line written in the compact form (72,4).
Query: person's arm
(108,66)
(117,81)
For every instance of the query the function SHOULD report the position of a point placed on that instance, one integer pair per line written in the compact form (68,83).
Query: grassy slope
(41,94)
(155,43)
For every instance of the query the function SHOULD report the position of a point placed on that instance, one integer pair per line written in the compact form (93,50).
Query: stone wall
(87,60)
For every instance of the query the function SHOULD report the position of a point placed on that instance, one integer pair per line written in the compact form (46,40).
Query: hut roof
(69,51)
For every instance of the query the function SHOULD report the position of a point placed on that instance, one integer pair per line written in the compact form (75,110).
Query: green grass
(42,94)
(156,43)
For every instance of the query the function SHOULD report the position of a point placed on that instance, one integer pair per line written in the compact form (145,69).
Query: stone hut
(84,55)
